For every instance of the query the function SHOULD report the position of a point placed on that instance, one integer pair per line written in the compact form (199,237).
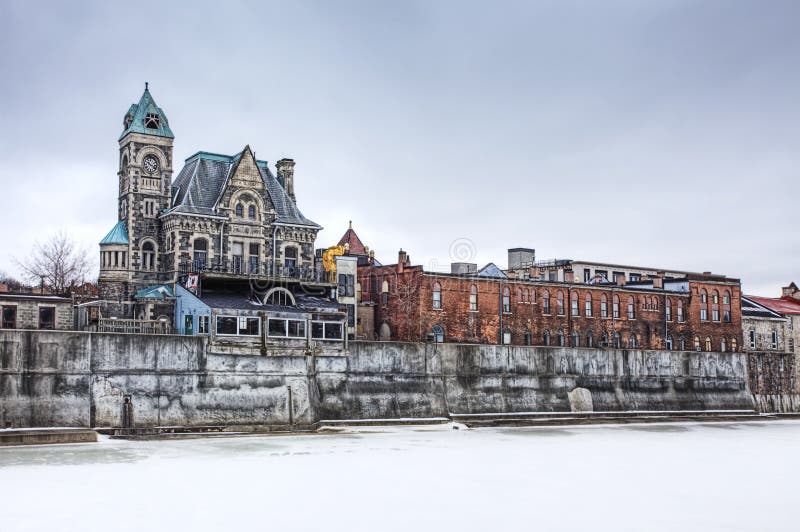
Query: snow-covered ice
(647,477)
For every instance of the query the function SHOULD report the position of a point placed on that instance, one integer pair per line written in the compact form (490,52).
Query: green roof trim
(118,235)
(136,118)
(157,291)
(220,158)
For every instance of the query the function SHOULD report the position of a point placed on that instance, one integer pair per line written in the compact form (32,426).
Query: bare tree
(58,263)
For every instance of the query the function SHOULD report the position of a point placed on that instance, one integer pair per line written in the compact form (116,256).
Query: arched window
(574,304)
(527,337)
(697,343)
(560,338)
(385,292)
(708,343)
(506,299)
(279,296)
(679,311)
(615,307)
(546,302)
(668,342)
(532,295)
(437,296)
(714,306)
(148,256)
(546,337)
(703,305)
(668,309)
(560,303)
(604,306)
(438,334)
(604,340)
(239,210)
(631,308)
(251,212)
(734,345)
(617,340)
(520,295)
(632,341)
(473,298)
(715,297)
(200,246)
(681,344)
(587,306)
(589,340)
(726,306)
(723,346)
(576,339)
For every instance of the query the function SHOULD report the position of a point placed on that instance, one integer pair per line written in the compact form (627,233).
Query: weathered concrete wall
(389,379)
(54,378)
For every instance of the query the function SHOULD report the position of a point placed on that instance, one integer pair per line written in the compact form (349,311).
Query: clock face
(150,164)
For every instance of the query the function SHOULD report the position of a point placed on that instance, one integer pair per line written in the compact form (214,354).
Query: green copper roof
(146,117)
(157,291)
(118,235)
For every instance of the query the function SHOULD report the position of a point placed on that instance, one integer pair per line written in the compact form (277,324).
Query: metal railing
(113,325)
(238,266)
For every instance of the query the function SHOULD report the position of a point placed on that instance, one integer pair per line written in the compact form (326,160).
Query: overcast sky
(657,133)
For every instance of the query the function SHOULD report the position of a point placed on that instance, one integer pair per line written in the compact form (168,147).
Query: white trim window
(326,330)
(202,324)
(238,326)
(286,328)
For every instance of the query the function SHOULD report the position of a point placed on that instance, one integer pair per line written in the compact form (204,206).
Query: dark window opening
(9,318)
(152,121)
(47,318)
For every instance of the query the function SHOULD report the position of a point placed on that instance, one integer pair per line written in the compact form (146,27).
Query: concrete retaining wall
(54,378)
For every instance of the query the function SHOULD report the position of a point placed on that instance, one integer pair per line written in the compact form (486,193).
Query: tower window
(251,212)
(239,210)
(151,121)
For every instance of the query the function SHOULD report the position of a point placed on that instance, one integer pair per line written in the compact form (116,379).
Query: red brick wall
(410,314)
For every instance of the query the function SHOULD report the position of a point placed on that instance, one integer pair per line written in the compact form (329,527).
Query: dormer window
(151,121)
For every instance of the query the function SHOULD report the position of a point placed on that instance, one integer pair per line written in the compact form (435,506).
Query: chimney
(569,276)
(285,169)
(372,257)
(620,280)
(402,258)
(790,291)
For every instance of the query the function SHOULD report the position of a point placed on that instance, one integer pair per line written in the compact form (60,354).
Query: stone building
(226,226)
(693,312)
(34,311)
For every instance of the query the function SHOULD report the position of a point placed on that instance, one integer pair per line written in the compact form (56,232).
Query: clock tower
(131,252)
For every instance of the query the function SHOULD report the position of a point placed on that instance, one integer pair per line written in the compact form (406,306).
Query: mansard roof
(117,235)
(200,184)
(137,113)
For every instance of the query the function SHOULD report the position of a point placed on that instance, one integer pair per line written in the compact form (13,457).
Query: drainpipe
(220,250)
(274,248)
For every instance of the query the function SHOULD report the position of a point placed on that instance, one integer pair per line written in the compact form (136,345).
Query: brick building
(693,312)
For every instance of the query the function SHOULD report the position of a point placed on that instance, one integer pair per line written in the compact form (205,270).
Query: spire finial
(351,224)
(145,85)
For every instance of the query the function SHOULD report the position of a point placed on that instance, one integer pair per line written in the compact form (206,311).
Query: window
(668,342)
(587,275)
(47,318)
(615,307)
(774,344)
(290,257)
(704,314)
(152,121)
(8,317)
(546,337)
(385,293)
(149,208)
(703,296)
(617,340)
(202,324)
(631,308)
(726,316)
(587,306)
(632,342)
(681,343)
(791,345)
(668,310)
(636,276)
(506,299)
(680,311)
(347,285)
(326,330)
(286,328)
(604,307)
(726,298)
(561,338)
(239,210)
(148,256)
(573,305)
(560,303)
(697,343)
(252,259)
(589,340)
(546,302)
(723,346)
(734,344)
(506,337)
(438,334)
(238,326)
(473,298)
(251,212)
(715,297)
(602,273)
(619,276)
(437,296)
(237,253)
(527,337)
(200,246)
(708,343)
(703,305)
(752,339)
(576,339)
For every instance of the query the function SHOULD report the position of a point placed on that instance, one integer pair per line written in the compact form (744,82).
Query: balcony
(267,270)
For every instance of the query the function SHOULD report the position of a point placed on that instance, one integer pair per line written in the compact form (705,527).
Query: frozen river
(642,478)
